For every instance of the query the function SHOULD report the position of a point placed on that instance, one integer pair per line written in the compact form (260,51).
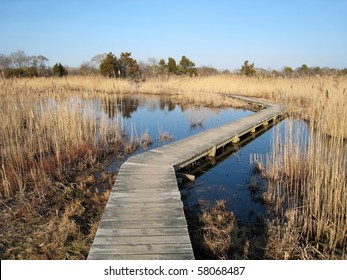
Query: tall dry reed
(47,133)
(47,138)
(308,182)
(301,94)
(41,138)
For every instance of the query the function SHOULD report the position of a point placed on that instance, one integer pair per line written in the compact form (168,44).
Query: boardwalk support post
(213,152)
(184,177)
(235,139)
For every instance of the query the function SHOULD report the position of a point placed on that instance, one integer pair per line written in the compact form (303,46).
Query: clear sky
(217,33)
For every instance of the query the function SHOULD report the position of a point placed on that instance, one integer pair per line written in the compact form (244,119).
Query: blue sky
(217,33)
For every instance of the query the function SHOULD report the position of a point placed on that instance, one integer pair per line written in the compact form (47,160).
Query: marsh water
(229,178)
(159,115)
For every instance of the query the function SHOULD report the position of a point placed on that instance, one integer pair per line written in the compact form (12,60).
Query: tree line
(18,64)
(126,66)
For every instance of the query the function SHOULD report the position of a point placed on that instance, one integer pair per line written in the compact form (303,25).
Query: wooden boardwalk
(144,217)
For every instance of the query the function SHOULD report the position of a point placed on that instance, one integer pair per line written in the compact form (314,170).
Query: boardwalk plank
(142,248)
(141,231)
(162,256)
(116,223)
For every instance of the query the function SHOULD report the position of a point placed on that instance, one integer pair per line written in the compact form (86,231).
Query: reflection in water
(157,116)
(168,105)
(231,179)
(138,114)
(126,105)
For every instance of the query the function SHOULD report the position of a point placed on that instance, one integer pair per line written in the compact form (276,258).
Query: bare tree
(5,62)
(19,59)
(42,65)
(153,61)
(96,60)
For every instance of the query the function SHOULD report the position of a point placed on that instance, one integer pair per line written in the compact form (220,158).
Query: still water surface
(157,114)
(229,179)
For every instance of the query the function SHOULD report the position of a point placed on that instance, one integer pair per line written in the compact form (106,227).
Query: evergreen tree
(162,63)
(171,65)
(303,69)
(163,68)
(109,66)
(248,69)
(59,70)
(128,66)
(187,66)
(288,71)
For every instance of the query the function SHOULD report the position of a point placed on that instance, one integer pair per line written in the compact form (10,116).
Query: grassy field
(49,149)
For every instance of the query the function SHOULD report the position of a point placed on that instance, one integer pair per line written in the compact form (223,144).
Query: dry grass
(218,226)
(305,96)
(46,140)
(308,181)
(223,238)
(307,188)
(145,140)
(43,138)
(164,136)
(62,225)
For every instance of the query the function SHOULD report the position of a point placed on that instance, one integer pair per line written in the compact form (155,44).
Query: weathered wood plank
(145,239)
(115,223)
(161,256)
(142,248)
(141,231)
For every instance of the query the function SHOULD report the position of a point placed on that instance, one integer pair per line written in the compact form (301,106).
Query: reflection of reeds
(196,116)
(164,135)
(145,140)
(132,142)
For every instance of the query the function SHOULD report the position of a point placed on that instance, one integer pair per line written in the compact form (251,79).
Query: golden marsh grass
(45,141)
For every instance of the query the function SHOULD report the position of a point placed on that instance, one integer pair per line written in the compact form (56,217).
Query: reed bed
(49,139)
(307,193)
(51,144)
(308,182)
(301,94)
(45,137)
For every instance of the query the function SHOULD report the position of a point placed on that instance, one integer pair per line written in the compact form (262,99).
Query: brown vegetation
(218,225)
(223,238)
(47,142)
(307,191)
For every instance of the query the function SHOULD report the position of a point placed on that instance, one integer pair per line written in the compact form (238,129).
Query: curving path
(144,217)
